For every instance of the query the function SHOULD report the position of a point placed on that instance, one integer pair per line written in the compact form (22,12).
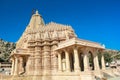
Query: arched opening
(71,62)
(81,63)
(91,62)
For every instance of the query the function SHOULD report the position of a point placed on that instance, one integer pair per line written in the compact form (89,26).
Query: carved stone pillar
(21,65)
(76,58)
(86,60)
(28,67)
(59,63)
(13,66)
(67,61)
(54,60)
(38,61)
(96,63)
(16,66)
(30,62)
(47,61)
(103,62)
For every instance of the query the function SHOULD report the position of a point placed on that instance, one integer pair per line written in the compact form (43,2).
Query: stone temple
(53,52)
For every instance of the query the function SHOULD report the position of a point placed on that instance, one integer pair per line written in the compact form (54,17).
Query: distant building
(5,65)
(5,68)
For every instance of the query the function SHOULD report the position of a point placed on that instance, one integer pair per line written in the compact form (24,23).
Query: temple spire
(36,20)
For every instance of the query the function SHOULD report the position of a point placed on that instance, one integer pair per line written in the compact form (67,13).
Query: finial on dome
(36,12)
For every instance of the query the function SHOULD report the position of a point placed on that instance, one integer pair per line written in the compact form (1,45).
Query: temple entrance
(71,62)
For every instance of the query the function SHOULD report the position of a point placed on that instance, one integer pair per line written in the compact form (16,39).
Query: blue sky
(95,20)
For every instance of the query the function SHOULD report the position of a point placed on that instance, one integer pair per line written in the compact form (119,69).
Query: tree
(5,50)
(108,57)
(117,56)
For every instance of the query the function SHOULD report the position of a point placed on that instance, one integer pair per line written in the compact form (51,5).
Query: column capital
(59,52)
(16,56)
(21,58)
(75,47)
(66,50)
(85,49)
(12,58)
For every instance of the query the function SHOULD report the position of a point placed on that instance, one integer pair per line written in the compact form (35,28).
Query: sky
(94,20)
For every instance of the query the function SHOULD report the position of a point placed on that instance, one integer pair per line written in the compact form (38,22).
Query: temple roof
(79,42)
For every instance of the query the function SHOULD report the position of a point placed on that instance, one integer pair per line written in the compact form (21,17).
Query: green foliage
(108,57)
(90,58)
(117,56)
(5,50)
